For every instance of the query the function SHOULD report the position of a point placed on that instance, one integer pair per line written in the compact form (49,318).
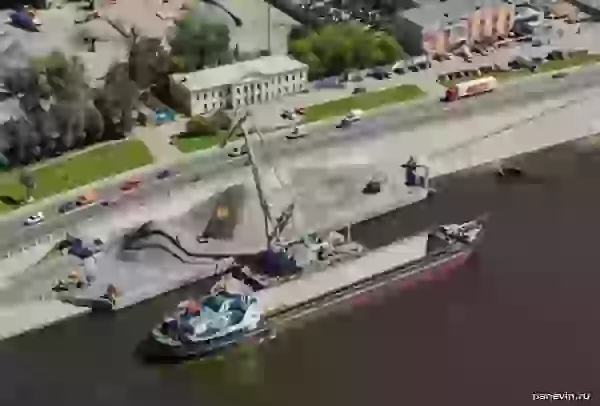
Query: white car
(354,115)
(34,219)
(297,132)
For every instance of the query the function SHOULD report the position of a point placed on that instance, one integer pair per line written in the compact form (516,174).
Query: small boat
(196,329)
(465,233)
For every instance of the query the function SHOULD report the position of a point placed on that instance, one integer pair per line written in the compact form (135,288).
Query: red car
(300,110)
(130,185)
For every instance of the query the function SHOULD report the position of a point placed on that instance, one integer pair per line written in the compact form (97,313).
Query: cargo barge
(447,247)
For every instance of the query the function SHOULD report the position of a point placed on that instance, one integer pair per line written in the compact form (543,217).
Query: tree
(4,162)
(335,48)
(117,100)
(221,120)
(4,147)
(200,125)
(28,181)
(149,62)
(200,43)
(72,100)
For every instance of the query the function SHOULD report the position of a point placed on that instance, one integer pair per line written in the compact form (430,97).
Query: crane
(272,227)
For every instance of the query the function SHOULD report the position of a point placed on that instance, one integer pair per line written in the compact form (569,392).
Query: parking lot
(558,35)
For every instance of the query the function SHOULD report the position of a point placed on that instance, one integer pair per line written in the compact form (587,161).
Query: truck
(471,88)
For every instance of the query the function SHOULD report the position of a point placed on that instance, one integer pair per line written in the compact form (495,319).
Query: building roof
(237,72)
(431,14)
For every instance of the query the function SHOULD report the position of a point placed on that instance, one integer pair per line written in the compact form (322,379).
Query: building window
(198,96)
(237,90)
(205,106)
(205,96)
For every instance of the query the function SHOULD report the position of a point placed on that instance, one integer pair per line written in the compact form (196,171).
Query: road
(391,120)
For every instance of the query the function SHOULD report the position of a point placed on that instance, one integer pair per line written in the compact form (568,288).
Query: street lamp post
(268,27)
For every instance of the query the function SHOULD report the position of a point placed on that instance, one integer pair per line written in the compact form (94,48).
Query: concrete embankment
(18,319)
(563,121)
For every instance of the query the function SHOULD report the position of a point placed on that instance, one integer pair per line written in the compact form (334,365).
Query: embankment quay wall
(565,120)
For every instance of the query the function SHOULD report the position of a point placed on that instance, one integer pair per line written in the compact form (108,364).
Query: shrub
(220,120)
(200,125)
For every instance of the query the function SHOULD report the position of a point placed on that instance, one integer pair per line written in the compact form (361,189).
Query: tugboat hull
(156,349)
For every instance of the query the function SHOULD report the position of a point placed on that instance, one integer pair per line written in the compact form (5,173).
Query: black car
(358,90)
(379,74)
(236,152)
(67,207)
(164,174)
(343,124)
(287,115)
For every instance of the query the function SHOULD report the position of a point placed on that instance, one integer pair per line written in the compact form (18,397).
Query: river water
(521,317)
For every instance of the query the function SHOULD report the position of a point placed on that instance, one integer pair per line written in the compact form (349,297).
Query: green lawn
(71,172)
(196,143)
(546,67)
(364,101)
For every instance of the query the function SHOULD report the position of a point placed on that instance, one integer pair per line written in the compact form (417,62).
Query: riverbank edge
(540,144)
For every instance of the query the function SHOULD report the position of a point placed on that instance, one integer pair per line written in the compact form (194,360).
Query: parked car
(358,90)
(164,174)
(300,110)
(356,77)
(34,219)
(86,199)
(109,202)
(379,74)
(66,207)
(559,75)
(236,152)
(130,184)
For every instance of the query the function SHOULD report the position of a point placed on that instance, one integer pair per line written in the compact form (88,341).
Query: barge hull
(367,290)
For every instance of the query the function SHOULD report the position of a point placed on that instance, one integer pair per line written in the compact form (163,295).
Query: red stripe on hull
(435,271)
(427,273)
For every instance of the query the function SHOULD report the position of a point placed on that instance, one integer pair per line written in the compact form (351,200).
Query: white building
(239,84)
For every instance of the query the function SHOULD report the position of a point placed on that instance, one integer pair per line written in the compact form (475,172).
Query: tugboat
(201,328)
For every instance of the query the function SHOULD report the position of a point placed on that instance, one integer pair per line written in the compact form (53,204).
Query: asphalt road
(14,235)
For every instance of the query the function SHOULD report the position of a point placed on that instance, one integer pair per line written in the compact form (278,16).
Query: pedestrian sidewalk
(157,140)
